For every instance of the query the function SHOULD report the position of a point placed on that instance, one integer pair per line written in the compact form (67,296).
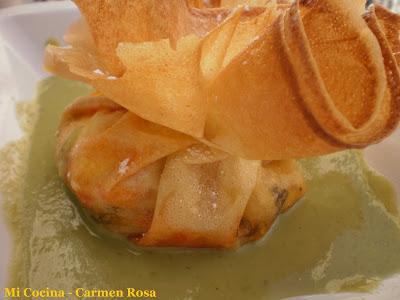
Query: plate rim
(38,7)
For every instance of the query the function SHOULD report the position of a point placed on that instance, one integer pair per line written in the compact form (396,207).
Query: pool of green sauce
(343,236)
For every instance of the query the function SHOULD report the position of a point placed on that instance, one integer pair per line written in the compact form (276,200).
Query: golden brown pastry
(203,106)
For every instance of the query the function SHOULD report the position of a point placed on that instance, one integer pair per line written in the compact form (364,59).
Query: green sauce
(344,235)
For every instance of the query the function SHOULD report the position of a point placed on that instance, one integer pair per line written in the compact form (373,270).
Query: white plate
(23,32)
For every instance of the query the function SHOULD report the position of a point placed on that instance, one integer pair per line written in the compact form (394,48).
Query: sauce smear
(343,236)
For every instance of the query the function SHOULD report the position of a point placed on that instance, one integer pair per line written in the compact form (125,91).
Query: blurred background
(7,3)
(393,4)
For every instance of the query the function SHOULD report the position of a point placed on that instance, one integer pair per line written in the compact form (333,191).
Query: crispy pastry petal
(312,108)
(273,83)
